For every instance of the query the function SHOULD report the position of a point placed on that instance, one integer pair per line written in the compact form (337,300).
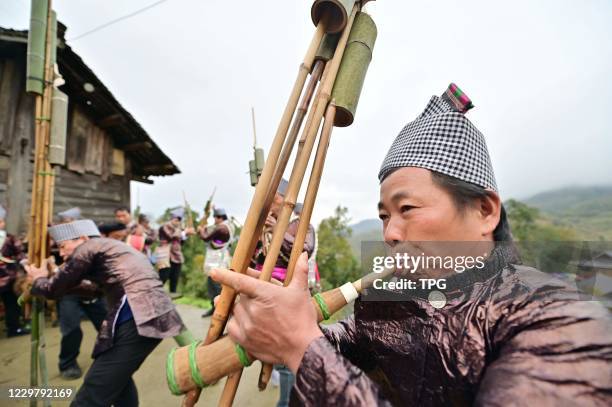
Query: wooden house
(106,148)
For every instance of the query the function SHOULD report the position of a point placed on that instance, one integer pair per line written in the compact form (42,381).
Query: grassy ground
(193,301)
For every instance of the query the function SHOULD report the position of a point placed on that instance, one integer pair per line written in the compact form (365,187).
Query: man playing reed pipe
(140,313)
(510,336)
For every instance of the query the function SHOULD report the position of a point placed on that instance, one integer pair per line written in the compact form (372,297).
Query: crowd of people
(113,273)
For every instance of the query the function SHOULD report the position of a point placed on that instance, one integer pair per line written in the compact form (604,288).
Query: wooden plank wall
(16,143)
(87,182)
(96,198)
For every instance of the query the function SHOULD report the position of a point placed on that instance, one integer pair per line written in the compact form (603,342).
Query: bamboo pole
(230,388)
(32,238)
(34,203)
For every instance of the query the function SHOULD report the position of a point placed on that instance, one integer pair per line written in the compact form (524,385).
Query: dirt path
(150,378)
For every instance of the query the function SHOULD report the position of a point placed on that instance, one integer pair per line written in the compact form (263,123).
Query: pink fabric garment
(278,273)
(136,241)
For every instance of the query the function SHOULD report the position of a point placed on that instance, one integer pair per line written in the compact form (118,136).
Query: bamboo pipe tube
(250,230)
(35,180)
(207,364)
(327,48)
(309,201)
(317,71)
(334,12)
(353,69)
(35,70)
(299,169)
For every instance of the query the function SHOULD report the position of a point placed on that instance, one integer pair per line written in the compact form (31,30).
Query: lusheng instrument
(207,208)
(193,366)
(337,59)
(49,149)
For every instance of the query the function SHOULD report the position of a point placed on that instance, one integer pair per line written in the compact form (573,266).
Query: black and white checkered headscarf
(442,139)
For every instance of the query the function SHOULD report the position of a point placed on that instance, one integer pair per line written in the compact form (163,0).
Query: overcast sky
(539,73)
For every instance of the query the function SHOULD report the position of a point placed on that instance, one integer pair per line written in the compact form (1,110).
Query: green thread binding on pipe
(242,356)
(322,306)
(174,389)
(193,366)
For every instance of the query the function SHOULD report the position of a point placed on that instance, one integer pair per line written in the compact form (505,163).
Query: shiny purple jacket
(118,270)
(515,337)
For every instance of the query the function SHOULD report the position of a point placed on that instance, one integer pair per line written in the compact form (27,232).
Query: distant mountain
(368,230)
(366,226)
(585,201)
(588,210)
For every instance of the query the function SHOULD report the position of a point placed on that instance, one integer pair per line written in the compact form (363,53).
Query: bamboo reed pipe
(39,211)
(302,159)
(250,230)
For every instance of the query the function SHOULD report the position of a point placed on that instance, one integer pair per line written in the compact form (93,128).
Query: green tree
(336,261)
(522,218)
(541,243)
